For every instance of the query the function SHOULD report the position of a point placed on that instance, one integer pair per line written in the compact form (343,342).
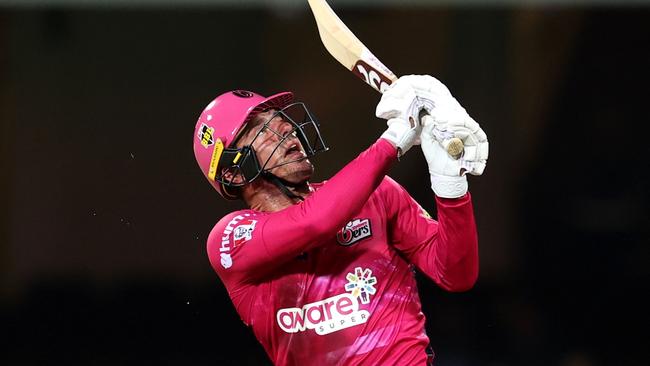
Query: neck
(262,195)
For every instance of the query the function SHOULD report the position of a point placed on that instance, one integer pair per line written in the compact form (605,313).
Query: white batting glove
(399,101)
(447,178)
(400,106)
(402,134)
(449,117)
(448,175)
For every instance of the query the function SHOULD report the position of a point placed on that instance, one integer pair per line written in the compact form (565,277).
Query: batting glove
(399,101)
(448,175)
(450,119)
(400,106)
(403,134)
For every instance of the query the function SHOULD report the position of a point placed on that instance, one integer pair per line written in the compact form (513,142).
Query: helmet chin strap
(281,184)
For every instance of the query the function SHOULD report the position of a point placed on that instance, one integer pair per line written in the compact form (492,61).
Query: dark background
(105,213)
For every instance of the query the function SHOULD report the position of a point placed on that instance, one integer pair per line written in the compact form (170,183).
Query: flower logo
(360,284)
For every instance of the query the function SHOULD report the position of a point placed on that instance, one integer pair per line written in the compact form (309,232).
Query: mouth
(294,151)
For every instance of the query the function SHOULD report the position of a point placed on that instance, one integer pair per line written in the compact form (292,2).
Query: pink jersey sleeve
(445,250)
(246,245)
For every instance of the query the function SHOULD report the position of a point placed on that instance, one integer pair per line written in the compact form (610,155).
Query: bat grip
(454,146)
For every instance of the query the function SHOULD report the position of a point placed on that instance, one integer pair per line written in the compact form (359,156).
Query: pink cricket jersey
(329,281)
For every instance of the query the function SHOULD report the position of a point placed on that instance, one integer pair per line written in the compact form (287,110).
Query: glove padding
(399,101)
(449,117)
(403,134)
(448,175)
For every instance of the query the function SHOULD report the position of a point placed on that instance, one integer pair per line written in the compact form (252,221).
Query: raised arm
(445,250)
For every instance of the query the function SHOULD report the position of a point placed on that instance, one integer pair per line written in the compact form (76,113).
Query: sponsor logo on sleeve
(226,260)
(334,313)
(243,232)
(240,228)
(354,231)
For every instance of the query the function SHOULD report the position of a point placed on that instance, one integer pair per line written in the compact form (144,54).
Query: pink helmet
(220,124)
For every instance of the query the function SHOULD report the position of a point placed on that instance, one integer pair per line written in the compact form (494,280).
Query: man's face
(288,160)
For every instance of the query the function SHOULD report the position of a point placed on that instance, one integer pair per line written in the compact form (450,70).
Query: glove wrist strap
(448,187)
(397,133)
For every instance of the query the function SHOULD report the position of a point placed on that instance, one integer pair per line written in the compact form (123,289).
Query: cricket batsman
(323,273)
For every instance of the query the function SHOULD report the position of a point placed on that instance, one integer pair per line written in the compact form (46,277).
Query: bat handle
(454,146)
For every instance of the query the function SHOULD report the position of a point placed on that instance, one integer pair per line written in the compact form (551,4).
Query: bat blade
(347,49)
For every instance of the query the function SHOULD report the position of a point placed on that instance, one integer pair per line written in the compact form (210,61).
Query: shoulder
(389,186)
(230,225)
(395,197)
(231,231)
(389,182)
(234,217)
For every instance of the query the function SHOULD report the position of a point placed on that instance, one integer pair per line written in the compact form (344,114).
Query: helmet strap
(281,184)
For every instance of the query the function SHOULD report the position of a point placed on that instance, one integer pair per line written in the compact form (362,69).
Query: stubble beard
(296,172)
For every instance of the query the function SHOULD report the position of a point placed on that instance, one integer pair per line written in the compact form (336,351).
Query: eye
(289,133)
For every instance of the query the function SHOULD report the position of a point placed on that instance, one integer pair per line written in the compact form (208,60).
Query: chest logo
(361,284)
(334,313)
(354,231)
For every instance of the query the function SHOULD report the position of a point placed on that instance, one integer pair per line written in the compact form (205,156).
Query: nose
(285,128)
(286,132)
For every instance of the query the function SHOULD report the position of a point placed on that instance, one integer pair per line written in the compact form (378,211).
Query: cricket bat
(351,53)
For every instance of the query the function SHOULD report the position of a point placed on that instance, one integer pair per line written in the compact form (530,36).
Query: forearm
(456,247)
(446,249)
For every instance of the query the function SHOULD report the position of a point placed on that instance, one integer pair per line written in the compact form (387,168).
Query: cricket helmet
(222,122)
